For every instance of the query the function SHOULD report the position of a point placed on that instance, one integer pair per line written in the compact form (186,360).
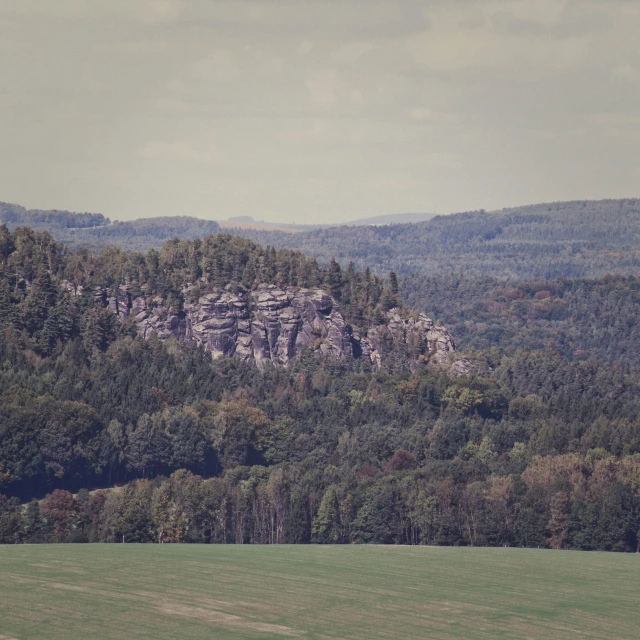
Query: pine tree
(393,279)
(57,326)
(388,301)
(334,279)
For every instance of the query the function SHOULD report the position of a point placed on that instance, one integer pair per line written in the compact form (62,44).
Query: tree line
(566,501)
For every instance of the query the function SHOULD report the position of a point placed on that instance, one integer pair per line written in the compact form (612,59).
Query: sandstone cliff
(274,325)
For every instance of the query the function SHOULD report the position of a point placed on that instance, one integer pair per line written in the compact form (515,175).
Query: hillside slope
(569,239)
(93,230)
(227,294)
(531,447)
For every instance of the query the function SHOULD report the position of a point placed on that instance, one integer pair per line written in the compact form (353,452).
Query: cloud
(323,86)
(420,114)
(158,11)
(393,181)
(327,132)
(305,47)
(624,73)
(523,13)
(180,151)
(465,51)
(518,37)
(220,67)
(352,52)
(315,131)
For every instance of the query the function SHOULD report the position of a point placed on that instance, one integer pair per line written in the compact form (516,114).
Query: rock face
(420,336)
(275,325)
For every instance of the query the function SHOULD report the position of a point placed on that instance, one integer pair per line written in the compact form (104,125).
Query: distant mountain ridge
(581,239)
(95,229)
(578,239)
(244,223)
(394,218)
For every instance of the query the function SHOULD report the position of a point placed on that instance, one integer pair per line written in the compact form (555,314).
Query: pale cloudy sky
(316,111)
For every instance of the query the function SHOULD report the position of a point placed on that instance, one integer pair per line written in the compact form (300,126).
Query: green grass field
(365,592)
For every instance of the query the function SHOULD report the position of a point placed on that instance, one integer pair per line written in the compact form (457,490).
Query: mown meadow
(355,592)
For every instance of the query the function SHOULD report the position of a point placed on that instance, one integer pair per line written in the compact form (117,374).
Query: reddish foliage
(61,510)
(366,471)
(401,461)
(513,294)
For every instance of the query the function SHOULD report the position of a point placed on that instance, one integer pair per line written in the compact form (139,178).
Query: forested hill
(226,293)
(538,445)
(93,230)
(582,239)
(568,239)
(37,273)
(583,319)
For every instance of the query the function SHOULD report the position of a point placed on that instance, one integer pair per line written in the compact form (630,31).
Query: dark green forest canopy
(538,446)
(14,215)
(319,452)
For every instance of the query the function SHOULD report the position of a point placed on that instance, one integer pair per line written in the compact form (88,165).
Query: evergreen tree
(393,279)
(334,279)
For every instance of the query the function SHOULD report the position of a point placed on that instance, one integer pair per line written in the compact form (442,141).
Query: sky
(316,111)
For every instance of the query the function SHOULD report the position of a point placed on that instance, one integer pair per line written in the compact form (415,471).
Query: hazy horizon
(316,112)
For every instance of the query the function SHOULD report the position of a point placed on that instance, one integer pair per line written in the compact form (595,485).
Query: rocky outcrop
(420,337)
(273,325)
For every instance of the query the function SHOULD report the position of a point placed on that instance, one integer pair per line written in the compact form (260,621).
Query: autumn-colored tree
(471,509)
(401,461)
(60,509)
(558,525)
(501,509)
(168,515)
